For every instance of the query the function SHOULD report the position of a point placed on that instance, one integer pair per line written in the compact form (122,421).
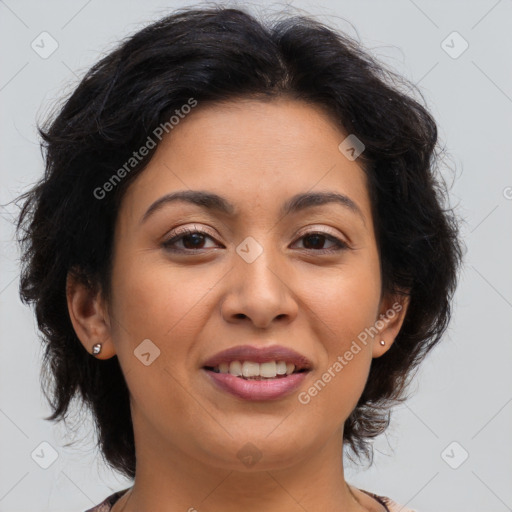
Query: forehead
(256,153)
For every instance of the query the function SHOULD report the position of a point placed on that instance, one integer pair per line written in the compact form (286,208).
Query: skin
(194,304)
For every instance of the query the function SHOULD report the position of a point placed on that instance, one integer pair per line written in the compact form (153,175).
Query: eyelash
(340,245)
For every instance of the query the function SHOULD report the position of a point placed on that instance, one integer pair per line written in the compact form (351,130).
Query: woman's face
(254,274)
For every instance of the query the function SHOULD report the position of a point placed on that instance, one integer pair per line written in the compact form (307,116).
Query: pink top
(389,505)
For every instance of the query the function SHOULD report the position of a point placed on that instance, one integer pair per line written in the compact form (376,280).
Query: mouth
(253,373)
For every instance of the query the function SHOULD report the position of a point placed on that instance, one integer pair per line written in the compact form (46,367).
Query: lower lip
(269,389)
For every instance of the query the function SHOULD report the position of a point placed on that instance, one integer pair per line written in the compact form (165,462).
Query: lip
(257,390)
(259,355)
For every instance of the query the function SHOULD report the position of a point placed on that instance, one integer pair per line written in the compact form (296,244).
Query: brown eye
(193,241)
(316,240)
(190,239)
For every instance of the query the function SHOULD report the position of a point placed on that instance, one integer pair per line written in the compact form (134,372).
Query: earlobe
(88,317)
(391,317)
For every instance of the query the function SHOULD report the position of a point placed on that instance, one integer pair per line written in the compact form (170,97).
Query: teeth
(235,368)
(281,368)
(268,369)
(250,369)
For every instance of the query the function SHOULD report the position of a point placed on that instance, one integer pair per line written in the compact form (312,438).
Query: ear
(392,311)
(89,316)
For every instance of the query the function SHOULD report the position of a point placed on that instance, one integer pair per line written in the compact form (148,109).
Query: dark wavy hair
(220,54)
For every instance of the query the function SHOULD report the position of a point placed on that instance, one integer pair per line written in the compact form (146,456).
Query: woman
(238,255)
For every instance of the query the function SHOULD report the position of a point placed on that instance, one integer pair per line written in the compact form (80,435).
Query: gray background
(462,393)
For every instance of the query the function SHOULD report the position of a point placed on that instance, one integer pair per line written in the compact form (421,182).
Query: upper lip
(259,355)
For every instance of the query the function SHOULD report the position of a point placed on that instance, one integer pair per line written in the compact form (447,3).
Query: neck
(168,479)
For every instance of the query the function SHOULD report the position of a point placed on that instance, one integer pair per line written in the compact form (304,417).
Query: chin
(262,452)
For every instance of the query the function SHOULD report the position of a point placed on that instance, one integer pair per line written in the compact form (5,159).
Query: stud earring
(382,342)
(96,349)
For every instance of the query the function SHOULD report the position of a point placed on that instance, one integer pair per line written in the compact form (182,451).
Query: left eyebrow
(212,201)
(311,199)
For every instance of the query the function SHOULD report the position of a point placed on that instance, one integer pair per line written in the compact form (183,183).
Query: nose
(260,292)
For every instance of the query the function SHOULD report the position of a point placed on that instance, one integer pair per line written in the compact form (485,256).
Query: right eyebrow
(207,200)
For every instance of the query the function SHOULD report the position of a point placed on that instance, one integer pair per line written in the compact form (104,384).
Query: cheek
(345,307)
(158,315)
(346,300)
(345,304)
(155,300)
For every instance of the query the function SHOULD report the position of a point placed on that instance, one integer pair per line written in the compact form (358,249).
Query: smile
(256,387)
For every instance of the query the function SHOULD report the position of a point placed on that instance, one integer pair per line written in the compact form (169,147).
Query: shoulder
(389,504)
(393,506)
(107,504)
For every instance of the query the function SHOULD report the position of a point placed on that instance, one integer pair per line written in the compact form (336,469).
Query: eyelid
(177,234)
(187,229)
(315,228)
